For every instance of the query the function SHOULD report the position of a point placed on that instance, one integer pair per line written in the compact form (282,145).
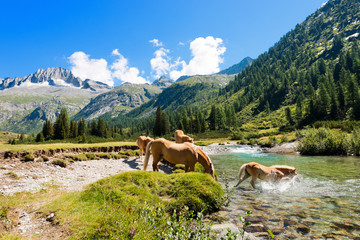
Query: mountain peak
(54,76)
(236,68)
(163,82)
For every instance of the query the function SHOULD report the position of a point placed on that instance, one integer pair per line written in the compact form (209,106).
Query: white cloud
(121,70)
(206,58)
(97,69)
(115,52)
(160,63)
(156,43)
(94,69)
(181,43)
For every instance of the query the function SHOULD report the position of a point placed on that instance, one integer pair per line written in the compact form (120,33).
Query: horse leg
(186,167)
(246,176)
(156,160)
(192,168)
(252,182)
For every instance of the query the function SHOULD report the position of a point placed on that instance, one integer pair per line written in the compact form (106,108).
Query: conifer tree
(157,124)
(74,129)
(61,126)
(48,130)
(81,127)
(288,116)
(212,118)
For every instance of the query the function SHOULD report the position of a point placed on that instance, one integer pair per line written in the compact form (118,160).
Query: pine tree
(81,127)
(212,118)
(157,124)
(165,126)
(101,128)
(288,116)
(48,130)
(40,137)
(334,108)
(61,126)
(73,129)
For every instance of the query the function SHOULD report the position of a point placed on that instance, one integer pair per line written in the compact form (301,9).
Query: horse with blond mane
(274,173)
(180,137)
(142,142)
(183,153)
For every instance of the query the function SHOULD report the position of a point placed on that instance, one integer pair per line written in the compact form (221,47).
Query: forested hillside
(314,69)
(311,74)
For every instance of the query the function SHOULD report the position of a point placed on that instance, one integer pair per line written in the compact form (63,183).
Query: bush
(237,135)
(322,141)
(28,157)
(59,162)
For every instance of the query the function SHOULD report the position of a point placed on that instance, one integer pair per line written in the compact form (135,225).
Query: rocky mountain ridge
(52,77)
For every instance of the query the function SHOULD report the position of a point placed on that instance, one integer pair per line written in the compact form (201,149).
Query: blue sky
(115,40)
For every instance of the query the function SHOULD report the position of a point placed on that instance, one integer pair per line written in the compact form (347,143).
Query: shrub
(28,157)
(91,156)
(237,135)
(322,141)
(59,162)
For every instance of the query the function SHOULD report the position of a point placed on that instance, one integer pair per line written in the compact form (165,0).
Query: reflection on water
(323,201)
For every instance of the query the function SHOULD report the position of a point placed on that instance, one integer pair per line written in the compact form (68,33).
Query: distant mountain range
(26,102)
(57,77)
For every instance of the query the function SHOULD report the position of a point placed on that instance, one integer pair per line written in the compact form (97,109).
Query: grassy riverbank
(131,205)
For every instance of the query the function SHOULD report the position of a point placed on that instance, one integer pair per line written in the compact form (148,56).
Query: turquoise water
(322,202)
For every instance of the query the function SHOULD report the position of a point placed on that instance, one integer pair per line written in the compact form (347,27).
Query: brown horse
(180,137)
(183,153)
(142,142)
(274,173)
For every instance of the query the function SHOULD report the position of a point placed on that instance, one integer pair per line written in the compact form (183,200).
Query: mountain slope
(194,91)
(120,100)
(26,102)
(236,68)
(311,56)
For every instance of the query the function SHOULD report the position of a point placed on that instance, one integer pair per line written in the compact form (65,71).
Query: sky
(116,41)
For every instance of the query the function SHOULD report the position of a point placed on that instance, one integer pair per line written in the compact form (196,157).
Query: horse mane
(147,154)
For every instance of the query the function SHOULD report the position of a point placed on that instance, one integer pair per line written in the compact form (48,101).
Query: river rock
(300,214)
(277,231)
(288,222)
(347,225)
(256,228)
(303,229)
(254,219)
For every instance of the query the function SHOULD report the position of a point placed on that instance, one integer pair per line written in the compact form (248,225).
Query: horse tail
(242,169)
(147,154)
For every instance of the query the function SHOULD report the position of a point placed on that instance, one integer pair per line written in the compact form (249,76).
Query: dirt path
(17,176)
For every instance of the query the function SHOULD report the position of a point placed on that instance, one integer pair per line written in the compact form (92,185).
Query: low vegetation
(137,205)
(324,141)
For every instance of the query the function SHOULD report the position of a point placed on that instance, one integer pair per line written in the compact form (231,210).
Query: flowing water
(322,202)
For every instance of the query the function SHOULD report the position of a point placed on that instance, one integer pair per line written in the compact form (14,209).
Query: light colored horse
(183,153)
(142,142)
(180,137)
(274,173)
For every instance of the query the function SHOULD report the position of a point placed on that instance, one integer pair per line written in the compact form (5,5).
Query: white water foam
(249,150)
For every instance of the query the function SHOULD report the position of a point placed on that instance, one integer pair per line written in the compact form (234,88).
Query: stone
(303,229)
(277,231)
(288,222)
(255,228)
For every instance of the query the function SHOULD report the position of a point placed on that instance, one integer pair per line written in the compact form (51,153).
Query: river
(323,202)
